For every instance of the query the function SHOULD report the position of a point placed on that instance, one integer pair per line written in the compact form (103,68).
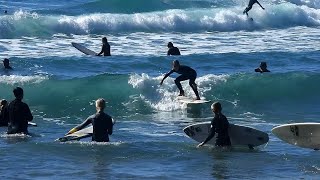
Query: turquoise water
(214,37)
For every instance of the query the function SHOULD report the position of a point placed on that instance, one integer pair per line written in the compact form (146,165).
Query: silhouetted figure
(101,122)
(6,64)
(18,114)
(3,105)
(251,3)
(219,125)
(172,50)
(105,48)
(262,68)
(186,73)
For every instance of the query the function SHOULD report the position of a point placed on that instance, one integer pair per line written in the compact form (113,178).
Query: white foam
(17,79)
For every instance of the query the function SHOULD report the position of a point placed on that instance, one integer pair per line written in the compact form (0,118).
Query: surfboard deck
(239,135)
(32,124)
(187,100)
(83,133)
(305,135)
(83,49)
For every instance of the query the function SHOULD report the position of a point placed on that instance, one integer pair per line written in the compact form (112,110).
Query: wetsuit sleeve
(101,50)
(169,52)
(110,126)
(85,123)
(212,132)
(28,114)
(168,74)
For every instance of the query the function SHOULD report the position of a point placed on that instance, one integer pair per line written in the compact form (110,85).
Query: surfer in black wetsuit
(262,68)
(186,73)
(6,64)
(219,125)
(172,50)
(3,105)
(101,122)
(18,114)
(105,48)
(251,3)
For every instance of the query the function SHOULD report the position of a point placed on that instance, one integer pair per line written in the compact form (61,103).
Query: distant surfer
(101,122)
(18,114)
(6,64)
(5,11)
(173,50)
(3,105)
(251,3)
(187,73)
(219,125)
(262,68)
(105,48)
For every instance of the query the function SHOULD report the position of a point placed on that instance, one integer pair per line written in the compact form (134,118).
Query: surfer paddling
(187,73)
(101,122)
(105,48)
(251,3)
(219,125)
(262,68)
(173,50)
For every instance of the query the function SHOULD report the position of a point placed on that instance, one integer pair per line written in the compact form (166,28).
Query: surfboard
(83,49)
(32,124)
(305,135)
(187,100)
(239,135)
(83,133)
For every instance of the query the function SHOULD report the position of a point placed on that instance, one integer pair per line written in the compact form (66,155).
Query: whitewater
(214,37)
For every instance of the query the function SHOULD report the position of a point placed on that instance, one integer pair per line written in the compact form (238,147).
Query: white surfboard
(32,124)
(239,135)
(83,133)
(187,100)
(83,49)
(305,135)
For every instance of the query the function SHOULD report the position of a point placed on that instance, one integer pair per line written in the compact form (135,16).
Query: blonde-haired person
(101,122)
(219,125)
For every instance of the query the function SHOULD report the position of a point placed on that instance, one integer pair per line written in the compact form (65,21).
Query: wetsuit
(18,115)
(173,51)
(251,3)
(3,120)
(219,125)
(105,49)
(261,70)
(186,73)
(102,126)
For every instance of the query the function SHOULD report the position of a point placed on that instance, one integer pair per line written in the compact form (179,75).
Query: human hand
(199,145)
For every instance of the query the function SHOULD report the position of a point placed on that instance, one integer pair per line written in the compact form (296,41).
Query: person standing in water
(173,50)
(101,122)
(18,114)
(186,73)
(6,64)
(3,105)
(251,3)
(105,48)
(219,125)
(262,68)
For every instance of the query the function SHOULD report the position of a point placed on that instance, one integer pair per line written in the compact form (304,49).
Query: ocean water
(214,38)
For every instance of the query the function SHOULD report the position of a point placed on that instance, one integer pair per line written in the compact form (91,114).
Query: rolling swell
(195,20)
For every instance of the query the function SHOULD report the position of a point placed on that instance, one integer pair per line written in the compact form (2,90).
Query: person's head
(3,103)
(170,45)
(176,65)
(263,65)
(18,93)
(100,104)
(216,107)
(6,62)
(5,11)
(104,40)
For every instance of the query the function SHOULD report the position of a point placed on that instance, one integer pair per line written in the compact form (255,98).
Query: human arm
(81,126)
(28,114)
(165,76)
(260,5)
(110,127)
(210,136)
(99,54)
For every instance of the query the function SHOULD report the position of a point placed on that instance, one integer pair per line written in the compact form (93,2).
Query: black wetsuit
(106,49)
(219,125)
(186,73)
(18,115)
(173,51)
(102,126)
(3,120)
(261,70)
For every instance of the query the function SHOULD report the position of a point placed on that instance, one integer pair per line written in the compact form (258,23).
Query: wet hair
(216,105)
(104,39)
(6,60)
(100,103)
(18,92)
(5,11)
(170,44)
(176,62)
(263,64)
